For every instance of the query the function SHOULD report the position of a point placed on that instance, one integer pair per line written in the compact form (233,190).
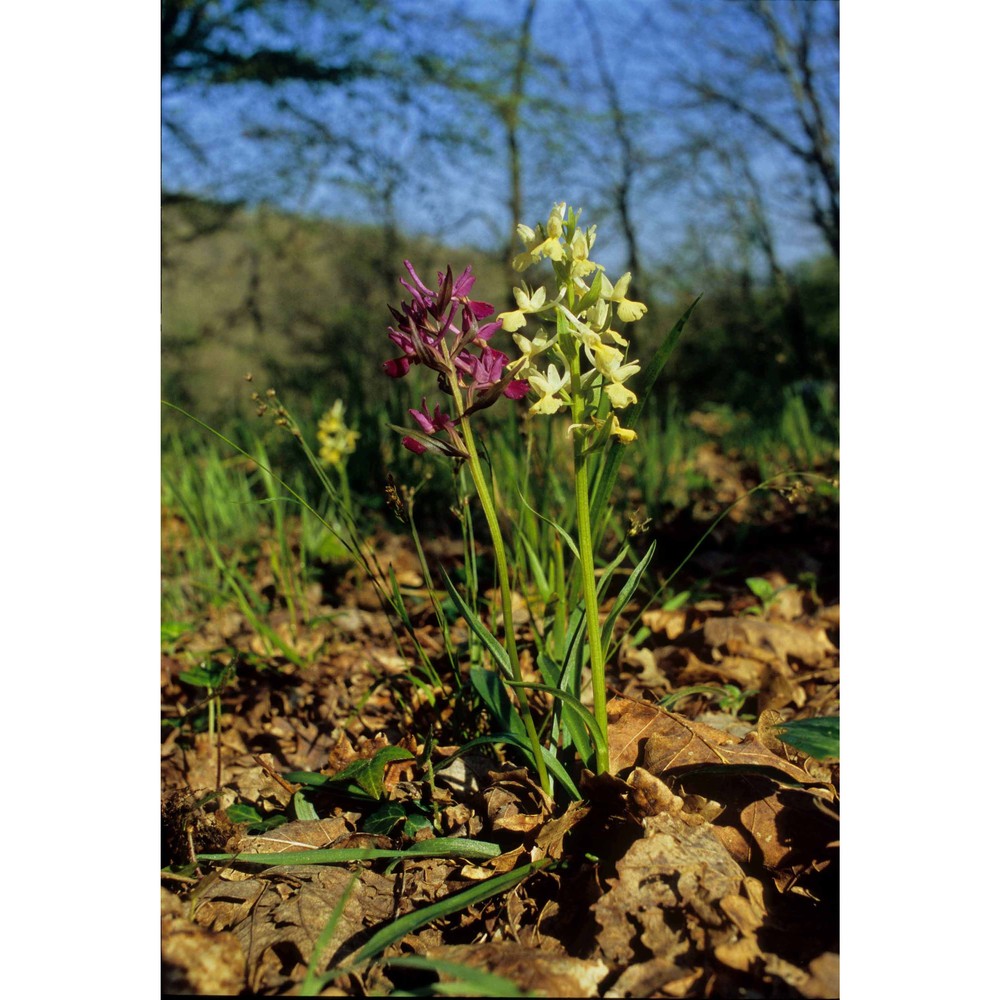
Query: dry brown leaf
(670,623)
(546,974)
(669,742)
(658,975)
(195,960)
(282,912)
(648,662)
(824,977)
(674,873)
(764,639)
(785,829)
(297,835)
(743,671)
(514,801)
(550,838)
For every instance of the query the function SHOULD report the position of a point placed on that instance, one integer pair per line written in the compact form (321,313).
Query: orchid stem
(500,555)
(587,577)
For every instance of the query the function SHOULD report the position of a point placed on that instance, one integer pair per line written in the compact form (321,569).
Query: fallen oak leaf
(667,742)
(755,638)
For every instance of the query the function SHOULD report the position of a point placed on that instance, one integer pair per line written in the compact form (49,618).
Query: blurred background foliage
(309,146)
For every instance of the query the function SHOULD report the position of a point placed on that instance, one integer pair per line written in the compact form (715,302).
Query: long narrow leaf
(411,922)
(552,762)
(489,640)
(312,984)
(577,707)
(624,596)
(490,689)
(567,724)
(566,537)
(469,981)
(436,847)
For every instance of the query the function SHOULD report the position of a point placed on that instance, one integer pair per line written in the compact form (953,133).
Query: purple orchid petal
(402,340)
(517,389)
(423,418)
(396,367)
(464,283)
(415,446)
(487,330)
(424,290)
(481,309)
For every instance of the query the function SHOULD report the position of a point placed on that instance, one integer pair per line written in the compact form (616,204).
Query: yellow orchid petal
(547,405)
(629,311)
(513,320)
(554,224)
(527,234)
(624,434)
(619,396)
(621,286)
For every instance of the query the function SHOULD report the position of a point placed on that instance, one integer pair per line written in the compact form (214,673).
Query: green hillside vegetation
(301,303)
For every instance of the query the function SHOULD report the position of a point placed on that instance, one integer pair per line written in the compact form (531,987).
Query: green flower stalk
(578,363)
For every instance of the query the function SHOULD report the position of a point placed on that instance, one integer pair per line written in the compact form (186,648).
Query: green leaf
(573,730)
(819,738)
(551,760)
(364,777)
(677,601)
(201,677)
(239,812)
(487,638)
(172,631)
(494,696)
(416,823)
(436,847)
(411,922)
(537,570)
(385,819)
(368,774)
(624,596)
(563,534)
(760,588)
(467,981)
(303,808)
(310,778)
(578,710)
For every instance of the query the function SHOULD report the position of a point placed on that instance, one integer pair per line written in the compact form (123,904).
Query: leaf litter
(704,864)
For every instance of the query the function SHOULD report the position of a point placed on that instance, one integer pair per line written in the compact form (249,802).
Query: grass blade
(411,922)
(489,640)
(491,690)
(469,981)
(312,984)
(624,596)
(551,760)
(436,847)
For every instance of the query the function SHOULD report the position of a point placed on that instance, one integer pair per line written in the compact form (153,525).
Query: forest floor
(703,864)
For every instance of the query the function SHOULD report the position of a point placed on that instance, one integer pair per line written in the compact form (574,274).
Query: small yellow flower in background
(336,440)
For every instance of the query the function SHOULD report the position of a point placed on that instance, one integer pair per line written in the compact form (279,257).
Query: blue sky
(461,196)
